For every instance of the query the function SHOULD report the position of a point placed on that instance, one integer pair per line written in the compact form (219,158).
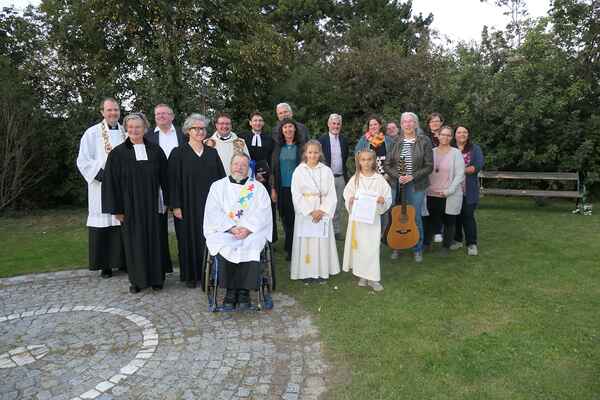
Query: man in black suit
(260,146)
(335,150)
(167,137)
(284,111)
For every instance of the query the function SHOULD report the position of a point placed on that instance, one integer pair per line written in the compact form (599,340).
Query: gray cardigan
(422,161)
(454,193)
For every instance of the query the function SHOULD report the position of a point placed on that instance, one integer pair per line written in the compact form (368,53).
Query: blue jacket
(471,180)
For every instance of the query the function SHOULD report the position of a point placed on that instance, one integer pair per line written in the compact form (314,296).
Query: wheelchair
(261,299)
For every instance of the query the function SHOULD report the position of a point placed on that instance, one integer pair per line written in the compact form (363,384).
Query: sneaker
(456,245)
(362,282)
(438,238)
(394,255)
(378,287)
(418,257)
(472,250)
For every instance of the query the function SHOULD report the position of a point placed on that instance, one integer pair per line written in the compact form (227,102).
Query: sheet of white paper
(140,152)
(310,229)
(364,207)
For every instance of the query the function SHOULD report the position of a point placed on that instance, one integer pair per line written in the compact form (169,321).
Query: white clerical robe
(313,189)
(91,159)
(361,250)
(227,148)
(229,204)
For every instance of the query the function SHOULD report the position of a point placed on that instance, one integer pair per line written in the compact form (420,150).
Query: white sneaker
(378,287)
(419,257)
(472,250)
(394,255)
(438,238)
(362,282)
(456,245)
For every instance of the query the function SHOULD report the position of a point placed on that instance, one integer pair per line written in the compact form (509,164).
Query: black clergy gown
(190,177)
(131,187)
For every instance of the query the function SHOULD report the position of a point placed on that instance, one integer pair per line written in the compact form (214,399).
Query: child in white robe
(361,250)
(314,198)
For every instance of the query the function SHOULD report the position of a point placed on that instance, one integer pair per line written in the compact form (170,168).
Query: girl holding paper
(314,255)
(361,250)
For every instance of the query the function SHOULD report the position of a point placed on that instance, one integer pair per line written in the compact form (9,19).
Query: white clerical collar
(140,152)
(256,139)
(171,130)
(224,138)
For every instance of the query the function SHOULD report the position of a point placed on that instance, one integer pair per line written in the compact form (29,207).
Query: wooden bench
(531,176)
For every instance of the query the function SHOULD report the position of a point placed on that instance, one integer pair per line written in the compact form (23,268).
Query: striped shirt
(406,153)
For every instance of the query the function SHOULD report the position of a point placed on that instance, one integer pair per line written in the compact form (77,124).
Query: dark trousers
(437,217)
(466,222)
(287,214)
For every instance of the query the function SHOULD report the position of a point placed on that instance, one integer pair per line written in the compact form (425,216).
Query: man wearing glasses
(226,142)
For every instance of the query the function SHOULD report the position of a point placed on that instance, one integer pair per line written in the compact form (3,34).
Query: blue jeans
(416,199)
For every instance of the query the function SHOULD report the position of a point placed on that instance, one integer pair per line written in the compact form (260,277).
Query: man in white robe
(105,243)
(226,142)
(237,226)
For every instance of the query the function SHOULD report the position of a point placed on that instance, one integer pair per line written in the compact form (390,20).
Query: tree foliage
(528,92)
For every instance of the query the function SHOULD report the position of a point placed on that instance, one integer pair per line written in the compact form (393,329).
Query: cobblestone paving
(72,335)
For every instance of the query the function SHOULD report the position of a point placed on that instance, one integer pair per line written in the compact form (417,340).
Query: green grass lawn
(520,321)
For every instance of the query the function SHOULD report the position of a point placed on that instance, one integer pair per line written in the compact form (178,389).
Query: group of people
(224,191)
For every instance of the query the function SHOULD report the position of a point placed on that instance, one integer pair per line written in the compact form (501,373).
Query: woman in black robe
(193,167)
(135,172)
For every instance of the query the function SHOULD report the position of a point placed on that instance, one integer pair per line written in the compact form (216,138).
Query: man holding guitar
(413,155)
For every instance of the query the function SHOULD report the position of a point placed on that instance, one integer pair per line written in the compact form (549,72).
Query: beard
(238,177)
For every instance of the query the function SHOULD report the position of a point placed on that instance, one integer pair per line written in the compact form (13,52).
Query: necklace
(104,131)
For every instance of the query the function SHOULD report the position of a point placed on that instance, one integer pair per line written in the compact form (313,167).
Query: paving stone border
(19,357)
(71,335)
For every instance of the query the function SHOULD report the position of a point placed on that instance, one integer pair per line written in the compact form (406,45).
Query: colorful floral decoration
(246,194)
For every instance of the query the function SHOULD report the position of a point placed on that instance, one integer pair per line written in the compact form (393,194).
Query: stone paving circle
(72,335)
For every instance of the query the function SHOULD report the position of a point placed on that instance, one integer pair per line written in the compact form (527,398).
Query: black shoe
(134,289)
(157,287)
(190,284)
(243,296)
(106,273)
(230,297)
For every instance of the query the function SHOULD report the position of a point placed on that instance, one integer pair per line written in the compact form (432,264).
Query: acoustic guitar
(402,232)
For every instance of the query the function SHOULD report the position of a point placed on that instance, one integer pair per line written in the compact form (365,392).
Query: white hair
(284,105)
(239,155)
(413,116)
(334,117)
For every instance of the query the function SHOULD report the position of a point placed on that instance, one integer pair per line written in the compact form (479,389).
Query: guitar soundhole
(404,231)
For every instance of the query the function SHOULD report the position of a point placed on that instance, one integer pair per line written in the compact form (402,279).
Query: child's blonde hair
(357,163)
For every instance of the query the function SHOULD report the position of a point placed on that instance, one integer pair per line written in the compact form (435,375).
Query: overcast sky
(456,19)
(464,19)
